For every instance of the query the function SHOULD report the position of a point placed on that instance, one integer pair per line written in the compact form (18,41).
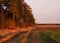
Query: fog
(45,11)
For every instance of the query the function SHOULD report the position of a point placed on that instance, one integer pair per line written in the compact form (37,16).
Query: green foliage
(49,36)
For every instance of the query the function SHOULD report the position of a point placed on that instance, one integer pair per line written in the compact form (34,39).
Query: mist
(45,11)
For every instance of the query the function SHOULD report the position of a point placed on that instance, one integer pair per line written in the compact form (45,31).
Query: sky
(45,11)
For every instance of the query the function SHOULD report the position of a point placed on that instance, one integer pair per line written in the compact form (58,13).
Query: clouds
(46,11)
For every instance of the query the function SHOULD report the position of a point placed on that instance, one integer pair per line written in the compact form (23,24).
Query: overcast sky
(45,11)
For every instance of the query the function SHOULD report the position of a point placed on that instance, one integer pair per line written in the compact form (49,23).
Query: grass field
(45,34)
(50,36)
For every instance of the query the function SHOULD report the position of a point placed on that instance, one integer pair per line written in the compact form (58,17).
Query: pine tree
(17,12)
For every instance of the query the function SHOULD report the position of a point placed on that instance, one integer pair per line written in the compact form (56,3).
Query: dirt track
(23,33)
